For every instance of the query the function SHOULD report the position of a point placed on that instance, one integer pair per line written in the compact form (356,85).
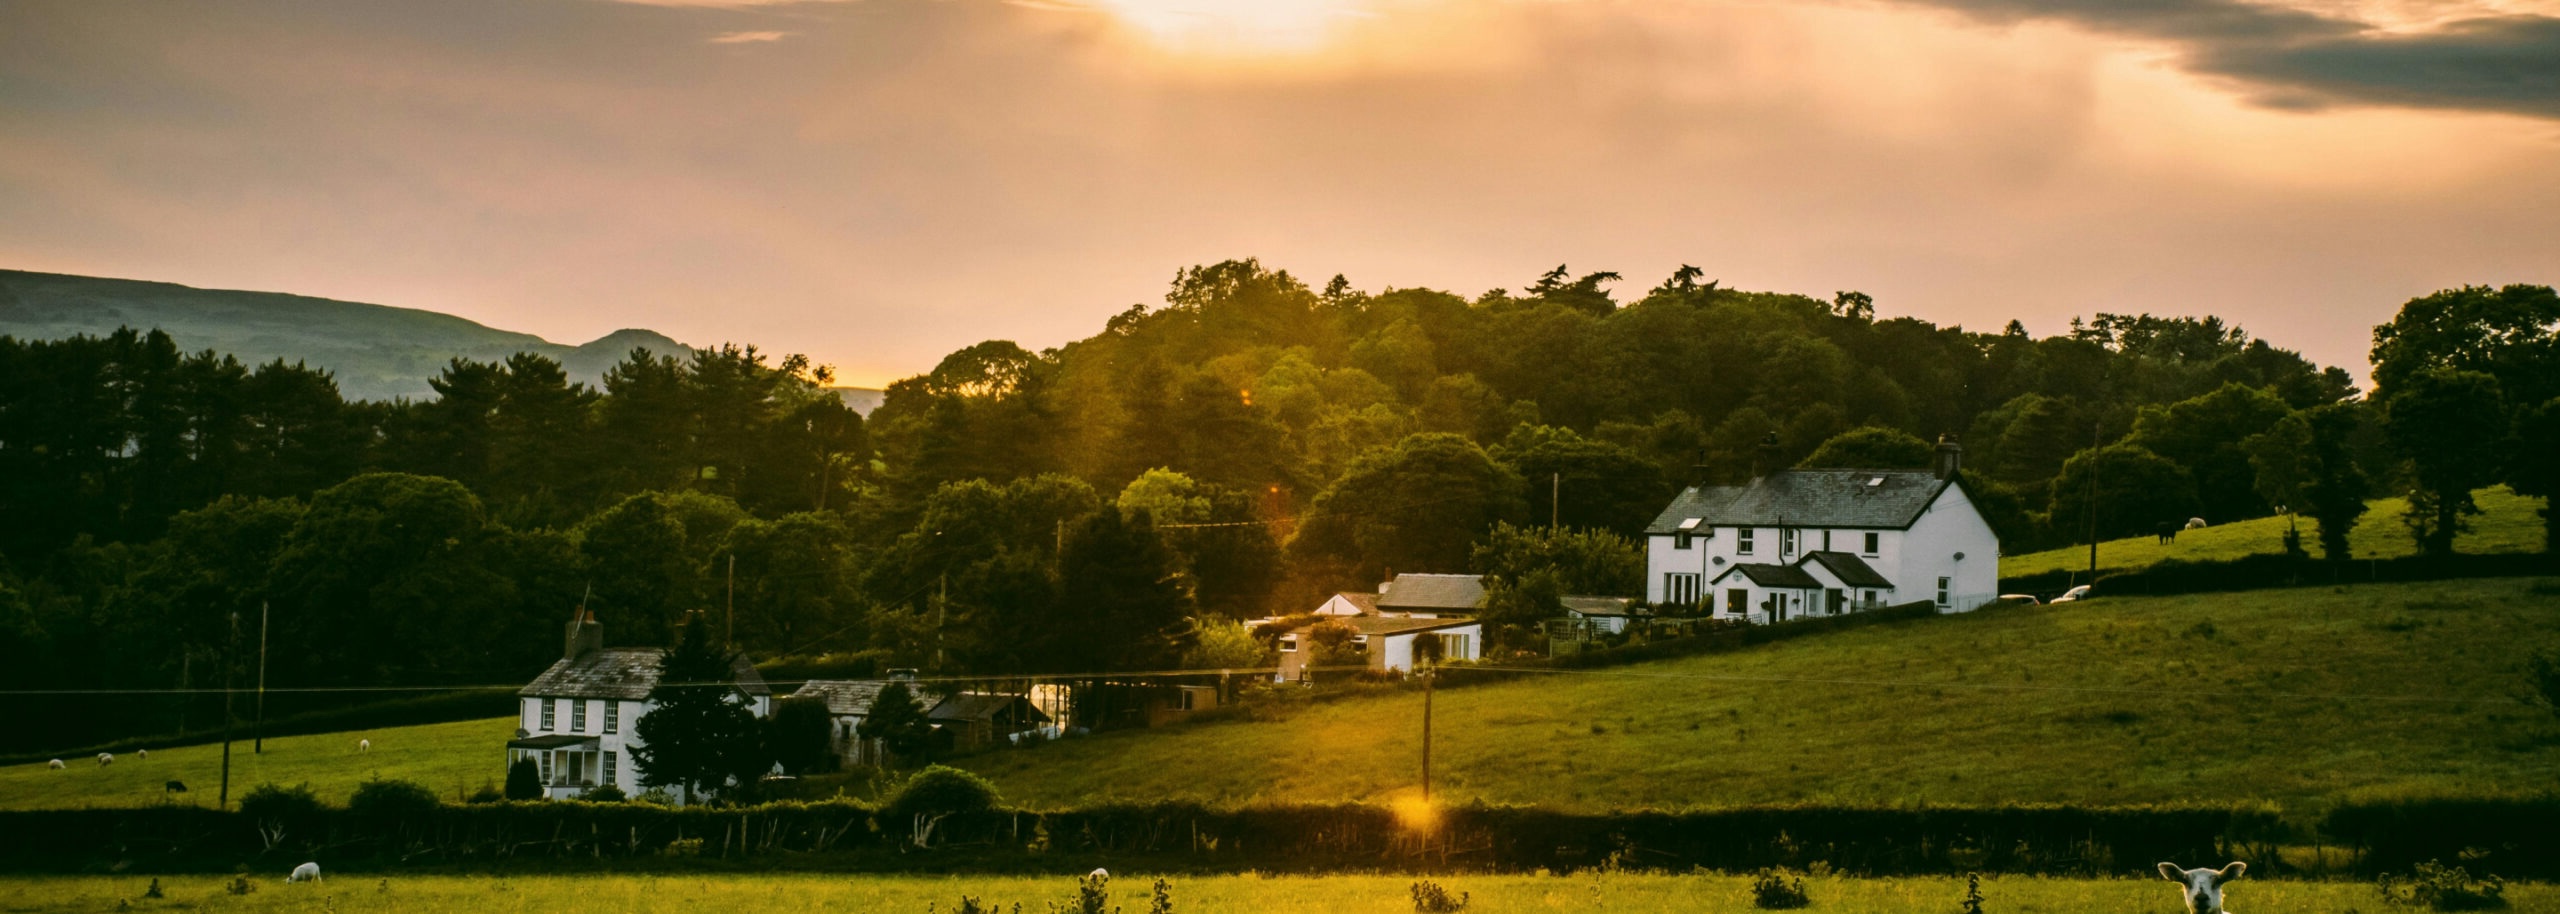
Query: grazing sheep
(308,872)
(2167,531)
(2203,890)
(2195,523)
(1098,873)
(56,764)
(364,745)
(143,754)
(174,787)
(106,758)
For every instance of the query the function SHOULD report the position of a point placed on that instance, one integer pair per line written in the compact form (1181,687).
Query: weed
(154,890)
(1973,893)
(1773,890)
(2438,887)
(1162,901)
(240,885)
(1430,898)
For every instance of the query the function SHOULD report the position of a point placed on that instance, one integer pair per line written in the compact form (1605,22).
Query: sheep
(56,764)
(364,745)
(2203,891)
(1099,873)
(106,758)
(2195,523)
(308,872)
(174,787)
(143,754)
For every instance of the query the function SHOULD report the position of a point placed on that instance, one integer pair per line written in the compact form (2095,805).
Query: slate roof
(622,673)
(1389,625)
(1596,606)
(1366,603)
(1850,569)
(1433,592)
(843,696)
(553,741)
(1787,576)
(1876,499)
(981,706)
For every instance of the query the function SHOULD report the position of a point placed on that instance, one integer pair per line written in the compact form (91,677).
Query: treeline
(1114,504)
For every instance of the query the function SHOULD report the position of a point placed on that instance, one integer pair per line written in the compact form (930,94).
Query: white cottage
(577,718)
(1386,624)
(848,702)
(1798,543)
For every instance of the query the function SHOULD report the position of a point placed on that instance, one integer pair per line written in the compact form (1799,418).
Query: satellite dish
(522,733)
(1959,556)
(1719,560)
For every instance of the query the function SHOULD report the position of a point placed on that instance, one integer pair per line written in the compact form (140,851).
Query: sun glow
(1238,26)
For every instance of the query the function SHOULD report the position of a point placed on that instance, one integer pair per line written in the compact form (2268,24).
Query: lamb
(56,764)
(106,758)
(308,872)
(364,745)
(2203,887)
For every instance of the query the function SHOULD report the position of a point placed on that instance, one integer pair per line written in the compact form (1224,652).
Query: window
(1742,541)
(578,717)
(1737,601)
(612,717)
(1680,589)
(1786,543)
(1872,538)
(546,715)
(1680,540)
(1289,644)
(1826,541)
(1457,647)
(611,766)
(546,767)
(1942,591)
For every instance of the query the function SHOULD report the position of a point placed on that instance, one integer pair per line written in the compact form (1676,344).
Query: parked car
(2017,599)
(2074,595)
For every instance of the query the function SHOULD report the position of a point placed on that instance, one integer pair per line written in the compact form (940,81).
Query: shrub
(604,793)
(524,780)
(2438,887)
(271,805)
(1093,894)
(488,793)
(1430,898)
(2542,680)
(1773,890)
(941,790)
(392,800)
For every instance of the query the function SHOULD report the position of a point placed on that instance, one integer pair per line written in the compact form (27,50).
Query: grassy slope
(446,757)
(1246,894)
(2507,523)
(1784,726)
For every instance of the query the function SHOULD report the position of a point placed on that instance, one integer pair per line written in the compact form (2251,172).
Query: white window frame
(578,717)
(1874,541)
(612,769)
(549,715)
(1680,588)
(613,717)
(1942,589)
(1742,540)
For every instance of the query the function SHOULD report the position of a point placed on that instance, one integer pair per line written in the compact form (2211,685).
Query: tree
(2533,469)
(1120,607)
(802,735)
(1594,484)
(1415,506)
(2511,333)
(2305,465)
(2137,491)
(897,720)
(700,736)
(1583,562)
(2449,425)
(1871,447)
(524,780)
(2204,435)
(1225,644)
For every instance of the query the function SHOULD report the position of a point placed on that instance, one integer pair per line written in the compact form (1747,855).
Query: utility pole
(1555,498)
(2094,438)
(258,731)
(230,649)
(730,640)
(1426,730)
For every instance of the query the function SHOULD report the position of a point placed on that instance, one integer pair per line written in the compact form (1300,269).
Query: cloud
(2295,58)
(746,37)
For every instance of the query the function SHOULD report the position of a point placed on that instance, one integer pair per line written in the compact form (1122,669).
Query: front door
(1838,600)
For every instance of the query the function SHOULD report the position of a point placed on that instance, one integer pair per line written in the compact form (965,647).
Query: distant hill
(378,352)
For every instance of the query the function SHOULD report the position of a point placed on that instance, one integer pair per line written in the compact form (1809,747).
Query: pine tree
(700,735)
(897,720)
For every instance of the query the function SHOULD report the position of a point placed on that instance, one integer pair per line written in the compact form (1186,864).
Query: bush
(270,804)
(604,793)
(2438,887)
(1430,898)
(488,793)
(392,801)
(1773,890)
(524,780)
(941,790)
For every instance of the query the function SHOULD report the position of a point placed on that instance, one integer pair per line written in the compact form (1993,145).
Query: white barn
(577,719)
(1798,543)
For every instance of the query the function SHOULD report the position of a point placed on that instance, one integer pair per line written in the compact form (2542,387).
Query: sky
(879,182)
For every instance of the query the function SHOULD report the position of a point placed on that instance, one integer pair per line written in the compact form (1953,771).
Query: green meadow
(2507,523)
(453,759)
(1245,894)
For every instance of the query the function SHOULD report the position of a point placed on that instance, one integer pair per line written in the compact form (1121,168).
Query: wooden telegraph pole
(230,650)
(258,731)
(2094,438)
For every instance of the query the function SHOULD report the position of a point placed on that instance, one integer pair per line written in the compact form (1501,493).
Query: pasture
(2507,523)
(451,758)
(1245,894)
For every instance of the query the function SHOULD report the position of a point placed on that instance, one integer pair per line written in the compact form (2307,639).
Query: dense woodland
(1116,503)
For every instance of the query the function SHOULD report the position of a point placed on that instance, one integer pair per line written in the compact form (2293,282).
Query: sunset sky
(879,182)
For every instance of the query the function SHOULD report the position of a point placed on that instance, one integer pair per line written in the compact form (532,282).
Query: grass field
(1615,892)
(2292,695)
(451,758)
(2507,523)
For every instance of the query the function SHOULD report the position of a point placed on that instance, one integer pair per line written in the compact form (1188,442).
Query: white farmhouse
(1384,625)
(1798,543)
(578,716)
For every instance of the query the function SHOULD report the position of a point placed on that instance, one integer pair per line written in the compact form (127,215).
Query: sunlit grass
(2299,696)
(1247,894)
(452,759)
(2507,523)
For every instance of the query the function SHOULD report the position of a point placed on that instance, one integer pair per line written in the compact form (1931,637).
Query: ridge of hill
(377,352)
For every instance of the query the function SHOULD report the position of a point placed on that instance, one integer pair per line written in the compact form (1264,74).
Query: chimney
(1950,457)
(1388,584)
(585,635)
(1764,459)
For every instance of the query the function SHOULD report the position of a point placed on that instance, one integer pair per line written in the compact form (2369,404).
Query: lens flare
(1237,26)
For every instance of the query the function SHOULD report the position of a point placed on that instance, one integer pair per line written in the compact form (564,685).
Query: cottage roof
(1597,606)
(1389,625)
(1366,603)
(1882,499)
(1444,592)
(1850,569)
(622,673)
(553,741)
(983,706)
(1785,576)
(844,697)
